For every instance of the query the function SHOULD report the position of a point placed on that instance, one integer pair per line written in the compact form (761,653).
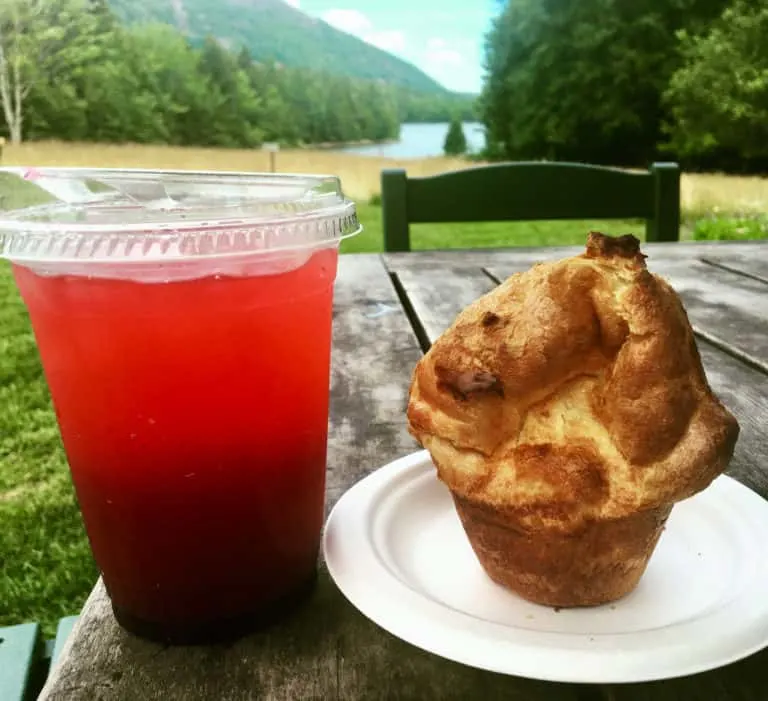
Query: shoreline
(323,146)
(333,145)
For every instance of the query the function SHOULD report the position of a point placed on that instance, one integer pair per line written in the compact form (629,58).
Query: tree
(72,72)
(86,70)
(583,80)
(237,107)
(21,27)
(719,97)
(172,101)
(44,45)
(455,141)
(435,107)
(381,117)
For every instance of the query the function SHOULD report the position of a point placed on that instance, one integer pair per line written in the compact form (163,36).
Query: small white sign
(271,146)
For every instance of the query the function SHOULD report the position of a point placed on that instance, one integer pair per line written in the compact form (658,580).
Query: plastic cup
(183,321)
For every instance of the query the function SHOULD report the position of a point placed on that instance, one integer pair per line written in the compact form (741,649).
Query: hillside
(271,29)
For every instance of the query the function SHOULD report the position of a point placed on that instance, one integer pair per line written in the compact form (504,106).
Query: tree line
(70,70)
(625,83)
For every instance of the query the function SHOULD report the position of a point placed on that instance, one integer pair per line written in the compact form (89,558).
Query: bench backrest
(528,191)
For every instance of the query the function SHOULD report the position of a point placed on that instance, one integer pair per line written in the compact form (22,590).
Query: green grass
(486,235)
(46,570)
(718,227)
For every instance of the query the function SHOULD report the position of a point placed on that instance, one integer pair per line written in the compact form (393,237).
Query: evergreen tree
(583,80)
(78,74)
(719,96)
(455,141)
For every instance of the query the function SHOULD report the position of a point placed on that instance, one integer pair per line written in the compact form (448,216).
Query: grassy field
(359,174)
(45,566)
(492,234)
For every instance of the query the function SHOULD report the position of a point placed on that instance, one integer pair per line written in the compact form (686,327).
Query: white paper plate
(396,549)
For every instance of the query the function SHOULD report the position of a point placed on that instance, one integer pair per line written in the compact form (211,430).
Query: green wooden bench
(25,659)
(529,191)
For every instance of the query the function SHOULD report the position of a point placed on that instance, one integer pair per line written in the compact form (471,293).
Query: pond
(421,141)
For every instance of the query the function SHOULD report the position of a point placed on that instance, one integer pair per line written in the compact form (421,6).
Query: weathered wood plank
(754,265)
(439,294)
(326,650)
(746,680)
(527,256)
(101,661)
(364,663)
(729,309)
(442,293)
(374,352)
(19,658)
(745,391)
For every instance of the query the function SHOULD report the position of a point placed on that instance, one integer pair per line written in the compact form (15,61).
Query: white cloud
(293,3)
(443,58)
(440,54)
(448,62)
(356,23)
(350,21)
(451,62)
(393,41)
(436,43)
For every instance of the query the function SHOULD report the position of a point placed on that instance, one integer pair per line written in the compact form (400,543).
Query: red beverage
(183,320)
(194,416)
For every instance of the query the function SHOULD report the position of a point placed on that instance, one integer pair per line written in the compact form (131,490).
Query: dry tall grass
(359,174)
(701,192)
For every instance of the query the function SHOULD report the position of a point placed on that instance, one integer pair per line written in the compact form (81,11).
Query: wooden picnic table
(388,308)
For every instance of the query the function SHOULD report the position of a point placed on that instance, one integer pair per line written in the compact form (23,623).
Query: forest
(626,83)
(70,70)
(603,81)
(273,30)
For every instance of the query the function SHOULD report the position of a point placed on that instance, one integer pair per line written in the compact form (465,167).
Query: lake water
(421,141)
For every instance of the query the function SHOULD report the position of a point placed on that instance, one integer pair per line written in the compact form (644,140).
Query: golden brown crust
(602,246)
(602,564)
(573,392)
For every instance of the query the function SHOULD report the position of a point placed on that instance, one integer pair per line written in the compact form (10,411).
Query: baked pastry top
(573,391)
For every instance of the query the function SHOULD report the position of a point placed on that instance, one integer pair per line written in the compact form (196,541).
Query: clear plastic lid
(86,219)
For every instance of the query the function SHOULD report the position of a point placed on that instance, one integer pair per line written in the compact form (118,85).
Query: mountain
(272,29)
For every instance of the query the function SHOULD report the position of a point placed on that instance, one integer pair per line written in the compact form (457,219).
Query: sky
(444,38)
